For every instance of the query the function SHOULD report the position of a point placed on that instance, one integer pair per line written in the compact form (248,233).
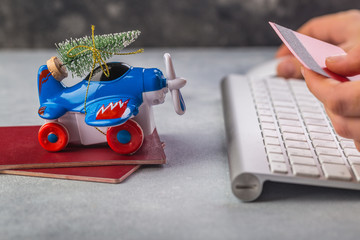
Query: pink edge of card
(286,43)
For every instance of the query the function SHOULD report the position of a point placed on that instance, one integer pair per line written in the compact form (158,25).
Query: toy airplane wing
(111,111)
(51,111)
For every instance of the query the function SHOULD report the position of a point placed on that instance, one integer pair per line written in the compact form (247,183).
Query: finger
(289,67)
(322,87)
(346,65)
(348,45)
(341,98)
(347,127)
(332,28)
(319,28)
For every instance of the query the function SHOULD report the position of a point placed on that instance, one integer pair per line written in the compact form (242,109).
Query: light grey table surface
(190,196)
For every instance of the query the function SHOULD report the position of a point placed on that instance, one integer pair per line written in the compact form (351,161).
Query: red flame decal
(43,78)
(112,110)
(41,110)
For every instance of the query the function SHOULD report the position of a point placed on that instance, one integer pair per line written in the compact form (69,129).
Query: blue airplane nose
(153,80)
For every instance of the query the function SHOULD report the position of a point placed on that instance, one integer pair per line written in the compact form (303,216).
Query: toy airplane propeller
(174,85)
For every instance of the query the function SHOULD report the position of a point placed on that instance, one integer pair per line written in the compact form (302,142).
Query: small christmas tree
(82,55)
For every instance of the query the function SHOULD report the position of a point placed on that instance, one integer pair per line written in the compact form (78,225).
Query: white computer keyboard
(299,143)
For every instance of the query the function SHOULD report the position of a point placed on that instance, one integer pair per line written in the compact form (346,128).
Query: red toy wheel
(53,136)
(126,138)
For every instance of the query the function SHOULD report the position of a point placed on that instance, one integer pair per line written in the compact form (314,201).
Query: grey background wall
(41,23)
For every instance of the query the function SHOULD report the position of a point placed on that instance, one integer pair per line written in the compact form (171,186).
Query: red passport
(20,149)
(105,174)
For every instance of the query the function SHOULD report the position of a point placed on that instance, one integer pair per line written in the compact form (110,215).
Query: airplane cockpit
(116,70)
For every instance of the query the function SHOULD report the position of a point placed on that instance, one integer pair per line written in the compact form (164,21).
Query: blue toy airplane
(118,106)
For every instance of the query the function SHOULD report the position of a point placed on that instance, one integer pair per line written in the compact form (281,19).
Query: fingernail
(287,69)
(336,58)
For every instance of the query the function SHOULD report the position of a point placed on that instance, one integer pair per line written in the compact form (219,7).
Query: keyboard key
(277,86)
(356,170)
(263,112)
(327,151)
(270,126)
(301,89)
(299,86)
(265,106)
(316,122)
(343,139)
(287,122)
(336,172)
(321,136)
(289,116)
(347,144)
(271,141)
(299,152)
(266,119)
(278,167)
(297,83)
(354,160)
(258,85)
(318,129)
(275,82)
(307,109)
(262,100)
(290,129)
(304,97)
(277,90)
(270,133)
(331,159)
(296,144)
(261,95)
(275,157)
(294,136)
(282,97)
(323,143)
(285,110)
(284,104)
(273,149)
(312,115)
(259,90)
(304,170)
(351,152)
(302,160)
(306,102)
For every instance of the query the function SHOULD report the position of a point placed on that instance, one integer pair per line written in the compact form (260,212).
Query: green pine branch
(108,44)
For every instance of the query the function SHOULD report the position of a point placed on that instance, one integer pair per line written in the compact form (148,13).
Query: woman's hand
(341,99)
(341,29)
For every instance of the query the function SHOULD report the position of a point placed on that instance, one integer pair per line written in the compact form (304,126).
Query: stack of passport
(21,154)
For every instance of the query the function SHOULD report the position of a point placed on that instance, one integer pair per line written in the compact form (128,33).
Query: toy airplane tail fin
(48,86)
